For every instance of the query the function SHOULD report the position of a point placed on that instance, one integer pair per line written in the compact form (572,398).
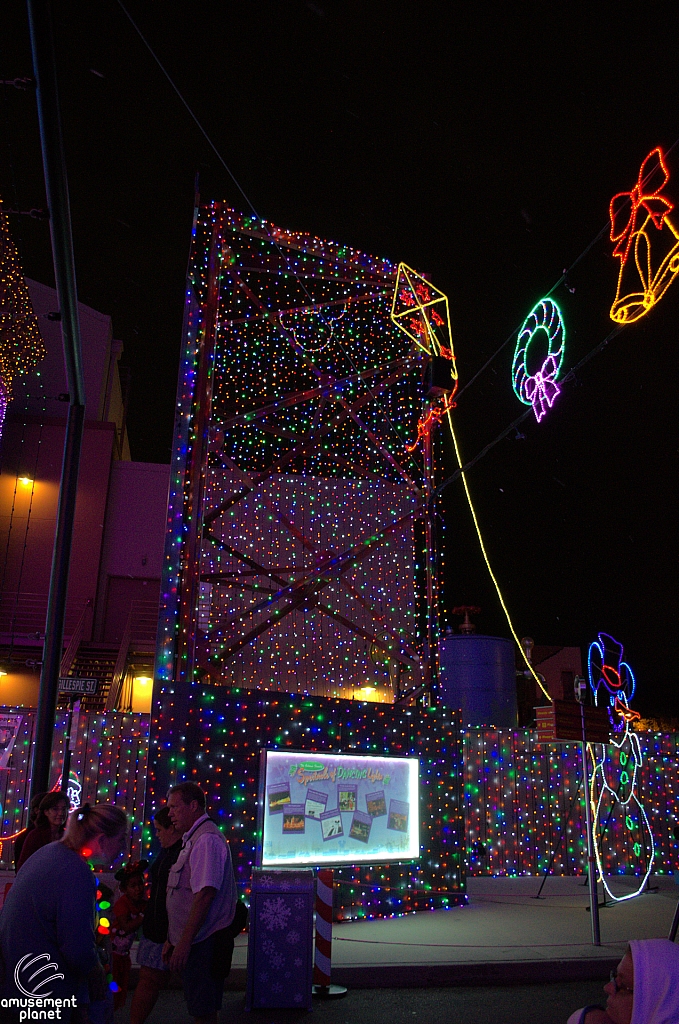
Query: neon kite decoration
(543,330)
(421,311)
(647,241)
(613,791)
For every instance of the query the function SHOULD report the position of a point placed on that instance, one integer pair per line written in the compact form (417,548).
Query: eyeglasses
(616,984)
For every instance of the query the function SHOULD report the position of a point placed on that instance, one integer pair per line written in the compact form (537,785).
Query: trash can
(280,943)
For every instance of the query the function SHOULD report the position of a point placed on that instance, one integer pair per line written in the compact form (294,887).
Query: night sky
(480,143)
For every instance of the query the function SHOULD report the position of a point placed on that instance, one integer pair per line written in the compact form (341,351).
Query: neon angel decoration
(538,357)
(616,807)
(647,241)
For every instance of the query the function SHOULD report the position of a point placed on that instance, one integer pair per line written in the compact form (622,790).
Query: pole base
(328,991)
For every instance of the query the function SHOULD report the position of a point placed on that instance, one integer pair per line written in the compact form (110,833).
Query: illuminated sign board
(337,809)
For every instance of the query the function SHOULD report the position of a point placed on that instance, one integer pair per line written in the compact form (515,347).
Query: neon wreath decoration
(614,795)
(544,325)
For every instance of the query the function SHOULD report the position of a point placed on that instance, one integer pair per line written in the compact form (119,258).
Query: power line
(188,108)
(461,470)
(560,281)
(247,200)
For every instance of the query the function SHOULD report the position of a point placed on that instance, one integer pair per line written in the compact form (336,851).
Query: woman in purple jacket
(47,947)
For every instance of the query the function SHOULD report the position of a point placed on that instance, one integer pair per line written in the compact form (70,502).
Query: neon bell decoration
(647,242)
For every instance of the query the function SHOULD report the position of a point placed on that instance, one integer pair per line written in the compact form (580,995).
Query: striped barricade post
(323,952)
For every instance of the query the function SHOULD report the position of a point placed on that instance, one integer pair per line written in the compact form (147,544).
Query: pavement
(505,957)
(520,1004)
(503,936)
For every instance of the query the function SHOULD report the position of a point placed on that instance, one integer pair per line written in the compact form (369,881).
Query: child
(128,915)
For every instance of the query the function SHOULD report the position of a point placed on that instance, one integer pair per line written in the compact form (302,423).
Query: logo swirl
(23,967)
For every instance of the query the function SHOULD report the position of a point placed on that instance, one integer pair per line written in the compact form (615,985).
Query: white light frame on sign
(394,780)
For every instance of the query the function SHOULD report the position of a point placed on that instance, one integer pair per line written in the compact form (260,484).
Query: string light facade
(292,541)
(524,802)
(108,765)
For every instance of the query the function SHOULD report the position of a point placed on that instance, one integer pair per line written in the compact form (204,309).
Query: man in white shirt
(201,902)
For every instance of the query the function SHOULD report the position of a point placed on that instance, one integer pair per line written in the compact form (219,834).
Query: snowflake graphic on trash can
(275,914)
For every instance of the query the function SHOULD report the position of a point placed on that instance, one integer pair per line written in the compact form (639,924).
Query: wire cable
(487,561)
(221,159)
(188,108)
(560,281)
(570,376)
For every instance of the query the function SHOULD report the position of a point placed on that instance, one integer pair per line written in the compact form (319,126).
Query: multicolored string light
(108,765)
(520,797)
(290,470)
(226,731)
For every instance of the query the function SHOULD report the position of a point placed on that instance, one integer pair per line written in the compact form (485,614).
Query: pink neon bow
(541,389)
(652,172)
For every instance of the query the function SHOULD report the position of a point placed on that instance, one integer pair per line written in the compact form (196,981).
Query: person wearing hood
(643,989)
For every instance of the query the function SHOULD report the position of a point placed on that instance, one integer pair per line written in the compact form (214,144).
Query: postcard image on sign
(375,804)
(278,797)
(361,824)
(347,801)
(293,818)
(315,803)
(331,825)
(398,816)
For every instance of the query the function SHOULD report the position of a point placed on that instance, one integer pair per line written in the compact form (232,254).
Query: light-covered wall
(289,525)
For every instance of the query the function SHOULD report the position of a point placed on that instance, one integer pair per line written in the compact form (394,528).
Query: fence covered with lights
(498,798)
(524,806)
(108,765)
(221,752)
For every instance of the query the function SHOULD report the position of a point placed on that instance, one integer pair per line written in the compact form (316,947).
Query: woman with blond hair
(47,944)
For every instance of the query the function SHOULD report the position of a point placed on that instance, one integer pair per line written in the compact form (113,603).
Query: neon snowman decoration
(614,789)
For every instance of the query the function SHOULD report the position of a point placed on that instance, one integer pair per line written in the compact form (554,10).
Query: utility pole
(56,185)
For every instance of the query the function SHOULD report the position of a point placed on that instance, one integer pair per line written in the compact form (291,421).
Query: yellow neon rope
(485,556)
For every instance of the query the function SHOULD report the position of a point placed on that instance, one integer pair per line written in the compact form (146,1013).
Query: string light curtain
(524,802)
(108,765)
(290,541)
